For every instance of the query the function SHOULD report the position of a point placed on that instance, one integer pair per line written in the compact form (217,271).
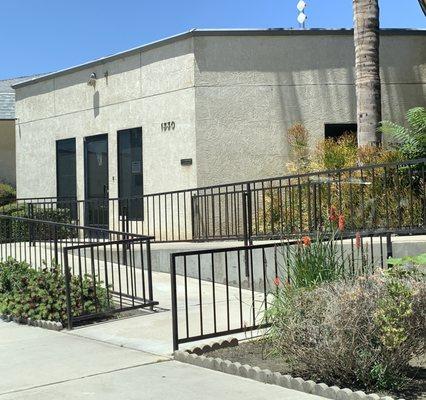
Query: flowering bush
(360,333)
(311,262)
(390,197)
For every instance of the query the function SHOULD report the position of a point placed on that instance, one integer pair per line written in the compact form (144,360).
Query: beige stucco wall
(251,89)
(7,151)
(142,89)
(232,98)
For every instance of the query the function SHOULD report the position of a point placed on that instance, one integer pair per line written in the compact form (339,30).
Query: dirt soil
(257,354)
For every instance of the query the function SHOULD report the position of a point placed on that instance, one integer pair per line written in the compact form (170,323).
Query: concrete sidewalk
(40,364)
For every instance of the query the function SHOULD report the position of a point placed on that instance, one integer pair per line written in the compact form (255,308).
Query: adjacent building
(7,129)
(200,108)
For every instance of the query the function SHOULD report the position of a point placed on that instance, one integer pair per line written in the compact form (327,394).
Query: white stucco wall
(251,89)
(141,90)
(7,151)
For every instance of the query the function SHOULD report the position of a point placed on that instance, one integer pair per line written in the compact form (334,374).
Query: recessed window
(130,173)
(334,131)
(66,182)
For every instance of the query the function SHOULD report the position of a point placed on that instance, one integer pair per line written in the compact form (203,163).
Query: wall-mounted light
(92,80)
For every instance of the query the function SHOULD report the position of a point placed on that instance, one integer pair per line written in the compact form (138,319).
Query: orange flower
(332,216)
(341,224)
(306,240)
(277,281)
(358,240)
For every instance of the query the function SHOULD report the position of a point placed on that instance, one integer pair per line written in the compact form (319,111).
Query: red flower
(358,240)
(277,281)
(332,216)
(341,224)
(306,240)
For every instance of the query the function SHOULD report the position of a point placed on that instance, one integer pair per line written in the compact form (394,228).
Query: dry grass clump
(361,333)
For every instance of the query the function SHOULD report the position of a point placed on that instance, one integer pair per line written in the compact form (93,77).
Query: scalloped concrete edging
(51,325)
(195,356)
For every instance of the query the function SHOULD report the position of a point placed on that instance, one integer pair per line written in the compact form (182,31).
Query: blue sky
(38,36)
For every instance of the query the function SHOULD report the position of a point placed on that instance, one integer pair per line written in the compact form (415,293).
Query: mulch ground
(256,354)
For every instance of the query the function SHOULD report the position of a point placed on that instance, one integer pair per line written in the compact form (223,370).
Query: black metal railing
(105,271)
(225,291)
(385,196)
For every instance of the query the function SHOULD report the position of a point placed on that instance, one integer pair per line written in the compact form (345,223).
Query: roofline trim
(211,32)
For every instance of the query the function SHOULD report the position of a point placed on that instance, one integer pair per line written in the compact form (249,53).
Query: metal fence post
(175,331)
(67,275)
(30,225)
(246,234)
(245,227)
(249,215)
(55,243)
(149,268)
(389,252)
(124,228)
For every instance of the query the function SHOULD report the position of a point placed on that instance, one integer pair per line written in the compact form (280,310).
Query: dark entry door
(96,174)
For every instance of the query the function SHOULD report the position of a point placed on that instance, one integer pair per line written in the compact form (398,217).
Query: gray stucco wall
(251,89)
(142,89)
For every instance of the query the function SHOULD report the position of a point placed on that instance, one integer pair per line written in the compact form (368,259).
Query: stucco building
(200,108)
(7,129)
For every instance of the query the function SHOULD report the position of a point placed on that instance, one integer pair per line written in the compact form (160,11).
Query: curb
(195,357)
(51,325)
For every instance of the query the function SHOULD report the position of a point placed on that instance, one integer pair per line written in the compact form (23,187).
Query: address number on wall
(168,126)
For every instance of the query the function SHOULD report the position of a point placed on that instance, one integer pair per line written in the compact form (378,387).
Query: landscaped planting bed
(39,296)
(334,334)
(258,353)
(365,334)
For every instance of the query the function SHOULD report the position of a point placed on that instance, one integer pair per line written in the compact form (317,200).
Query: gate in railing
(385,196)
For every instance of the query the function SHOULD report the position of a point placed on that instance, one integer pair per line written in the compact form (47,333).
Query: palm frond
(416,117)
(397,132)
(412,140)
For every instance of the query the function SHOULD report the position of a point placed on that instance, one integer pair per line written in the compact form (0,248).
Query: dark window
(337,130)
(66,182)
(130,173)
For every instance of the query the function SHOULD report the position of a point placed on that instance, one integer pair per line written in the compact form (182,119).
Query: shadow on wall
(96,103)
(127,62)
(288,62)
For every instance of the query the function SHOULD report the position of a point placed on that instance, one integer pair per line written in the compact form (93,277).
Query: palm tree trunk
(423,6)
(367,74)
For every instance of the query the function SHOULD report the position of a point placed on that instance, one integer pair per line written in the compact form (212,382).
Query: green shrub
(312,262)
(27,293)
(371,198)
(360,333)
(17,230)
(410,140)
(7,194)
(379,198)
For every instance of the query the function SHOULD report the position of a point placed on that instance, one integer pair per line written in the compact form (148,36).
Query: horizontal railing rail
(382,196)
(223,291)
(105,271)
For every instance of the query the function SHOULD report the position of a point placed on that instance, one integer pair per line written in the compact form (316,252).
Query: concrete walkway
(153,332)
(40,364)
